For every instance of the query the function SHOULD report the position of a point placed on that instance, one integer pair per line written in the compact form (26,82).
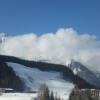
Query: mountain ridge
(83,72)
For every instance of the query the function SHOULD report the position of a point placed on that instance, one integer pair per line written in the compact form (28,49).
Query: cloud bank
(61,47)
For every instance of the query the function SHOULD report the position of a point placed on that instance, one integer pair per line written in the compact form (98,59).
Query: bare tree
(43,93)
(52,96)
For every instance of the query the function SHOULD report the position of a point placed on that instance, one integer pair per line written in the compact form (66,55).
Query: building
(5,90)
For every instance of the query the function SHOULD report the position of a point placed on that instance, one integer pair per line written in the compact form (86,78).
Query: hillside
(9,79)
(59,78)
(66,72)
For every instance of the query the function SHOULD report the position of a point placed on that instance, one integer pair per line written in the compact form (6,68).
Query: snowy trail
(34,77)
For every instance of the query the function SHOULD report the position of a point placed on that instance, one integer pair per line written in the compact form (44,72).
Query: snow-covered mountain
(47,58)
(65,71)
(33,77)
(59,78)
(86,74)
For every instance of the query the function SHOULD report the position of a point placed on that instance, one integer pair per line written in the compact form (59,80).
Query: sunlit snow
(34,77)
(18,96)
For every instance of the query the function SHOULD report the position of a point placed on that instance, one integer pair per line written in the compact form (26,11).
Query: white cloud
(61,47)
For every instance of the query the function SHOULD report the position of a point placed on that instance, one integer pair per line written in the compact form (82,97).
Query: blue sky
(43,16)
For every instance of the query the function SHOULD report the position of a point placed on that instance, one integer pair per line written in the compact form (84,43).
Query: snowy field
(34,77)
(18,96)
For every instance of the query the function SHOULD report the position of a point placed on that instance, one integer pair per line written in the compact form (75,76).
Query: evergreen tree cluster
(9,79)
(45,94)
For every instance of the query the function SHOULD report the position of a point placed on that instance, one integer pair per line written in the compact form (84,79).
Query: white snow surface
(76,70)
(33,77)
(18,96)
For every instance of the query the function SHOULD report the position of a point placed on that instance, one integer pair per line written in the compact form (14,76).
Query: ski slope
(33,77)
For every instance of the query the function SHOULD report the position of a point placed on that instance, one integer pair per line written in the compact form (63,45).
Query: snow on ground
(18,96)
(34,77)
